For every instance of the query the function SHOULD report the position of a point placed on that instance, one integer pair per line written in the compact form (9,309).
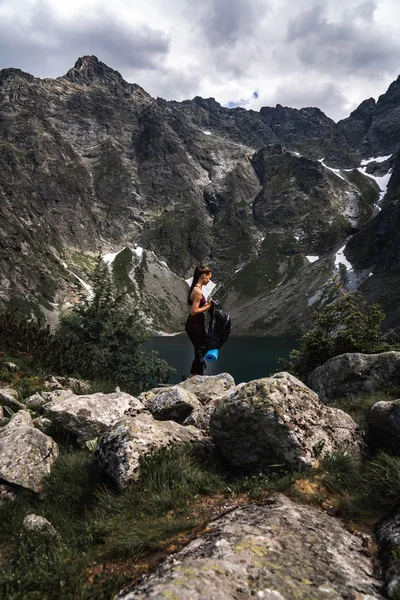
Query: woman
(195,324)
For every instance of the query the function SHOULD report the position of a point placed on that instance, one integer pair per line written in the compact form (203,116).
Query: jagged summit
(13,73)
(89,70)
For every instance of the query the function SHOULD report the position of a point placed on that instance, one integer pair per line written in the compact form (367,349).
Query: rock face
(279,419)
(26,454)
(190,402)
(173,403)
(376,249)
(9,397)
(190,182)
(384,426)
(35,402)
(276,550)
(355,373)
(388,537)
(122,447)
(89,416)
(213,387)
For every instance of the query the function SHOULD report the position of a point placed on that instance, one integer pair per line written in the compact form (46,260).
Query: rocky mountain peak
(391,98)
(6,74)
(209,104)
(365,108)
(89,70)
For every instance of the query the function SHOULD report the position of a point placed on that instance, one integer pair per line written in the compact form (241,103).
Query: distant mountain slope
(90,163)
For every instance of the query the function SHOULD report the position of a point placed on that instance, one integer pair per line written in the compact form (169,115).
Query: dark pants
(196,331)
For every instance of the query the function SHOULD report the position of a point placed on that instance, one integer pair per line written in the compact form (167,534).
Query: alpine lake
(244,357)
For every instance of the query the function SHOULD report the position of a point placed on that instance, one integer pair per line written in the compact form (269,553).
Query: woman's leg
(197,337)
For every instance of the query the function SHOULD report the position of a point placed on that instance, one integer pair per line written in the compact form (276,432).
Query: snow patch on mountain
(340,258)
(377,159)
(335,171)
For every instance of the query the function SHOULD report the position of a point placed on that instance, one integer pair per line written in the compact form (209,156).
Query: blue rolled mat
(211,355)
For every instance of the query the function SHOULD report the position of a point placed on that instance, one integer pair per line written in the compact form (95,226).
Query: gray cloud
(342,46)
(225,22)
(305,53)
(329,97)
(49,47)
(365,10)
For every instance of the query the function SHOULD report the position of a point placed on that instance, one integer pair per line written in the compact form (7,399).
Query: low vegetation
(349,324)
(107,538)
(99,339)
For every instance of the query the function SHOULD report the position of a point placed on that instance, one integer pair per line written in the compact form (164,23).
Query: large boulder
(387,533)
(209,388)
(35,402)
(171,403)
(384,426)
(121,449)
(279,419)
(26,454)
(276,550)
(9,397)
(89,416)
(200,417)
(355,373)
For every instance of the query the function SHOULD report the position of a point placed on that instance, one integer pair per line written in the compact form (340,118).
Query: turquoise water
(244,357)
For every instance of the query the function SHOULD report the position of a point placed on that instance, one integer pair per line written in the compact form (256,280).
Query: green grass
(365,490)
(340,473)
(359,407)
(145,515)
(26,380)
(97,524)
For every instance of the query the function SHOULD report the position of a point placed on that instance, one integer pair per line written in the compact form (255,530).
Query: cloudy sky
(327,53)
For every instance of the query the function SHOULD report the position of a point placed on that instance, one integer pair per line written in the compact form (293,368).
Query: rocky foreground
(275,549)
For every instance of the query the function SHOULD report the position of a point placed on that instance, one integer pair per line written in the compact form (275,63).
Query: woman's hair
(198,272)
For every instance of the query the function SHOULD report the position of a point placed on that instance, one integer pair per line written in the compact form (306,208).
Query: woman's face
(206,278)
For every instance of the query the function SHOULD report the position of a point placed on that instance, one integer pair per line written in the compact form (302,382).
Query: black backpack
(219,327)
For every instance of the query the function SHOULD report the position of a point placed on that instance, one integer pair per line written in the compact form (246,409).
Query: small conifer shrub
(349,324)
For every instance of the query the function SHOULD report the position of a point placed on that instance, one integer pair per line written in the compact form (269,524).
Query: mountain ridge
(90,162)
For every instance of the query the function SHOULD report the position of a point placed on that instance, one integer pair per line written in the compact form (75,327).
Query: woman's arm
(196,299)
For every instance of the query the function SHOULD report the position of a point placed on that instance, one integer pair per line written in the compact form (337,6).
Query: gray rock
(9,397)
(122,447)
(209,388)
(89,416)
(26,454)
(35,402)
(384,426)
(355,373)
(52,384)
(200,417)
(279,419)
(34,522)
(21,419)
(42,423)
(276,550)
(78,386)
(7,492)
(9,366)
(387,534)
(172,403)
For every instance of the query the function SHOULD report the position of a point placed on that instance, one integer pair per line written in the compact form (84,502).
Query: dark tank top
(198,319)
